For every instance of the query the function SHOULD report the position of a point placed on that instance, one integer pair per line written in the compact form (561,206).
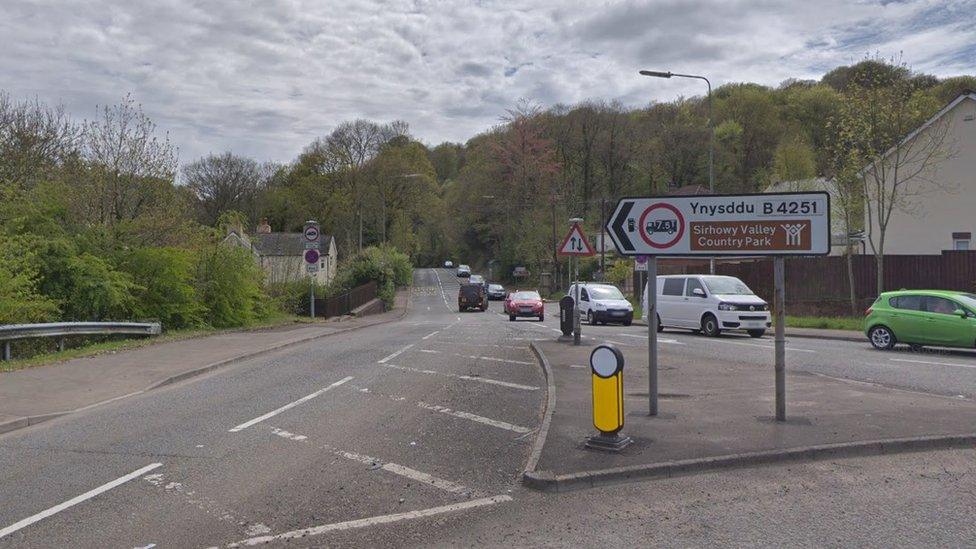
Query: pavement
(718,412)
(34,395)
(808,333)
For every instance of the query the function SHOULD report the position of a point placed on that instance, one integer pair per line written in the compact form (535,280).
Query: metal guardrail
(12,332)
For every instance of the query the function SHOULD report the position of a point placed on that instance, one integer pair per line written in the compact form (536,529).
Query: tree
(35,142)
(794,160)
(224,182)
(876,125)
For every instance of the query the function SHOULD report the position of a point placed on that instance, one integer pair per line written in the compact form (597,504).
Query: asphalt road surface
(950,372)
(415,432)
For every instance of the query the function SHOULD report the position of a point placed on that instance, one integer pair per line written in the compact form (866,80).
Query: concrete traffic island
(719,414)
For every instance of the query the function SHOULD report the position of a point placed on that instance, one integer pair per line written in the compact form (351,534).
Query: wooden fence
(819,285)
(345,303)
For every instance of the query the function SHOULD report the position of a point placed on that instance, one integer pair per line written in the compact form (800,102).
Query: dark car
(472,296)
(496,292)
(525,303)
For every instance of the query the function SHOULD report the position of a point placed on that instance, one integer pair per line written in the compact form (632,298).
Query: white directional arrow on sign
(575,243)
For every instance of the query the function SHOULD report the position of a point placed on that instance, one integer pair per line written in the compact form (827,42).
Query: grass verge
(116,345)
(824,322)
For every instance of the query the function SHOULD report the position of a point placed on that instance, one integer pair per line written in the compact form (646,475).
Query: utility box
(567,307)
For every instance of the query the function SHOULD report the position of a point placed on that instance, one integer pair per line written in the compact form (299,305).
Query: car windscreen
(727,285)
(604,292)
(477,279)
(495,287)
(471,290)
(968,300)
(526,296)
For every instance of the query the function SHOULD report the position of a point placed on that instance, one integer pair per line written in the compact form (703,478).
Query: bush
(229,282)
(292,297)
(20,301)
(385,265)
(166,291)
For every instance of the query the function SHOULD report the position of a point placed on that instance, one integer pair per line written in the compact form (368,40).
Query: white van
(602,303)
(709,304)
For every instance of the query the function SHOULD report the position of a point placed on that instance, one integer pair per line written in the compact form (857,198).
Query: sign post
(784,224)
(576,245)
(311,239)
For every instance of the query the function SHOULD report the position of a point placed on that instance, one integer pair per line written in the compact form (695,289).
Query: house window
(962,241)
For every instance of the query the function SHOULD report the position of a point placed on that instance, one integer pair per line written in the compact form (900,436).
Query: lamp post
(711,133)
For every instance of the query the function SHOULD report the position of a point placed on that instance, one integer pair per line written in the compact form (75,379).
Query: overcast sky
(263,78)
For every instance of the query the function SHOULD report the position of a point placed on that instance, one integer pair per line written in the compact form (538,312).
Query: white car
(463,271)
(448,264)
(602,303)
(710,304)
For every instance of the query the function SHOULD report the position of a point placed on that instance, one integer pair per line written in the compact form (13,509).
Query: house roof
(964,95)
(287,244)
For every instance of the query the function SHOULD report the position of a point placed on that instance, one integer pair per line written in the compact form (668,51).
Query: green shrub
(385,265)
(166,291)
(20,301)
(229,282)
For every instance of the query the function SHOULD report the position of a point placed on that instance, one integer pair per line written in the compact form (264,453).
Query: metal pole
(576,312)
(652,335)
(603,224)
(779,303)
(311,296)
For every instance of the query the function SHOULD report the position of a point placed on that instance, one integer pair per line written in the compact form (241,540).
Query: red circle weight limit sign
(661,226)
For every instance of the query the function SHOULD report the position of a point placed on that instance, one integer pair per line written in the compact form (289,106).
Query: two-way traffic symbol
(575,243)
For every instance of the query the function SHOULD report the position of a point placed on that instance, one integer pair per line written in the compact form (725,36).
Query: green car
(922,317)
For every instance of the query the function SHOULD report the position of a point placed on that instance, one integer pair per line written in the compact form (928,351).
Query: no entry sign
(748,224)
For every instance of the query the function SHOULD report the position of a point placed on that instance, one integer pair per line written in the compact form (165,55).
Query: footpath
(716,414)
(809,333)
(34,395)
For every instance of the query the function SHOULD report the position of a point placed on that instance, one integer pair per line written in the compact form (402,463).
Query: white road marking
(285,434)
(288,406)
(467,378)
(659,339)
(577,366)
(373,521)
(768,347)
(933,363)
(493,359)
(475,417)
(407,472)
(394,355)
(428,351)
(430,335)
(76,500)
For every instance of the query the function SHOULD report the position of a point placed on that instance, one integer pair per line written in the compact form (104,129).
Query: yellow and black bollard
(607,373)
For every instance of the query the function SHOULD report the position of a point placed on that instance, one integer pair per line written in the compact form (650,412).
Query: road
(950,372)
(414,433)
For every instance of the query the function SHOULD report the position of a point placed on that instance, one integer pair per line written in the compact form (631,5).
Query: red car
(525,303)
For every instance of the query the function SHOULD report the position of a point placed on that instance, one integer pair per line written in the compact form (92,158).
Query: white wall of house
(946,206)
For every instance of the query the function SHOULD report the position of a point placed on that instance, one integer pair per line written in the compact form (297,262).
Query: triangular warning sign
(575,243)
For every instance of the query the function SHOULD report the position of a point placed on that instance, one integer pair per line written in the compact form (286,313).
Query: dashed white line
(493,359)
(407,472)
(285,434)
(288,406)
(767,347)
(464,377)
(475,417)
(76,500)
(932,363)
(373,521)
(659,339)
(430,335)
(431,351)
(394,355)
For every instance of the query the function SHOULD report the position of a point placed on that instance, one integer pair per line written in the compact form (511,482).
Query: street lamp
(711,132)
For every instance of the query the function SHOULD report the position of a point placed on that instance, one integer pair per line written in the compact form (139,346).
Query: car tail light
(869,311)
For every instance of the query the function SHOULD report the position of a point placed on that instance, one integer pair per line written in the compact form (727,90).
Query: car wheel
(660,327)
(542,318)
(590,319)
(710,326)
(757,333)
(916,348)
(511,318)
(882,338)
(460,309)
(627,322)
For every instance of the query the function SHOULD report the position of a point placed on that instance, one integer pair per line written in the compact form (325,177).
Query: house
(282,255)
(839,239)
(939,212)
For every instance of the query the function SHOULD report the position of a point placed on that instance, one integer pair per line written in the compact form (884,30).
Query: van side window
(693,284)
(673,286)
(584,296)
